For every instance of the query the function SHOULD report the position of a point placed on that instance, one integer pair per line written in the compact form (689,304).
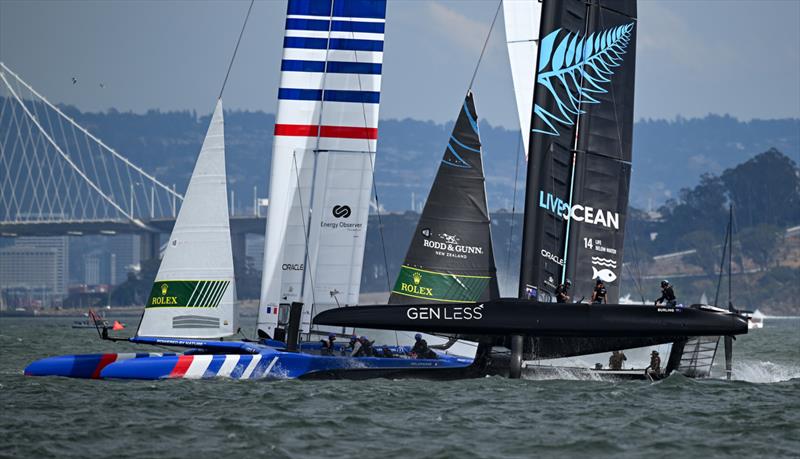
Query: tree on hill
(765,190)
(707,250)
(760,242)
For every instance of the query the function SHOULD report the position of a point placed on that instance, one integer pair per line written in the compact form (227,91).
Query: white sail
(194,292)
(522,19)
(325,139)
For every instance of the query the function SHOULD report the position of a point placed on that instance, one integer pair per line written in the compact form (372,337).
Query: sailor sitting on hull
(327,345)
(654,369)
(562,292)
(667,294)
(599,294)
(421,349)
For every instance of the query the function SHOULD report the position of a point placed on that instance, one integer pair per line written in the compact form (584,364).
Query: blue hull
(238,360)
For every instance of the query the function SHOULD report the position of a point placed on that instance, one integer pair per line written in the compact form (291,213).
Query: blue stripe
(463,164)
(303,42)
(299,94)
(214,366)
(462,145)
(302,66)
(347,8)
(365,97)
(307,24)
(331,95)
(354,67)
(356,45)
(337,26)
(353,26)
(244,360)
(364,68)
(472,120)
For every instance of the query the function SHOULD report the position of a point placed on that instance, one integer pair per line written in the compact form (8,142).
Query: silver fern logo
(582,66)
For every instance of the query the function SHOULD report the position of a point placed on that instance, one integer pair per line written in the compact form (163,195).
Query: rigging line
(485,43)
(374,184)
(722,261)
(513,207)
(305,235)
(235,49)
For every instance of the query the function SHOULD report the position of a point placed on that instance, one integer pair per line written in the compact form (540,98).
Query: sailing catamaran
(323,160)
(579,123)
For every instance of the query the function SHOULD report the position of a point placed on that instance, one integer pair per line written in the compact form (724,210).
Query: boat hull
(268,363)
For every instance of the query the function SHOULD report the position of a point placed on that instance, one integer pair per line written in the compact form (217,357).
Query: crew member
(654,369)
(353,347)
(599,294)
(364,348)
(421,349)
(562,292)
(327,345)
(616,359)
(667,294)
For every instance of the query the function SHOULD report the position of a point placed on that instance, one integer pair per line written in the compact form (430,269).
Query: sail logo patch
(449,245)
(606,275)
(607,262)
(578,212)
(439,286)
(187,294)
(574,70)
(555,259)
(341,211)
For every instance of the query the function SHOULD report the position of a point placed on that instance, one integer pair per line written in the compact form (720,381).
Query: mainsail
(580,148)
(194,292)
(323,155)
(522,19)
(450,258)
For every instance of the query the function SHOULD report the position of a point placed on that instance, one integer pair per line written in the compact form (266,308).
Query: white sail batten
(323,152)
(522,19)
(194,292)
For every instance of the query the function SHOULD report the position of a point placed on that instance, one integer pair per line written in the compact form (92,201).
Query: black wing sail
(580,149)
(450,258)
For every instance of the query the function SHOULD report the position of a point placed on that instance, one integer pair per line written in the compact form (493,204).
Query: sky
(697,57)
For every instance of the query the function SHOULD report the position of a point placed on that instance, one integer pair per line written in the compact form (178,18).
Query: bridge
(59,179)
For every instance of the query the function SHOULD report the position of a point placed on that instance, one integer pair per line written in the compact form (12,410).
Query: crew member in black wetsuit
(352,347)
(654,369)
(667,294)
(599,294)
(562,292)
(327,345)
(365,350)
(421,349)
(616,359)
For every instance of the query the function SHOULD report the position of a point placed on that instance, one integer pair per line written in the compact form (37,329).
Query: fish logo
(605,275)
(417,278)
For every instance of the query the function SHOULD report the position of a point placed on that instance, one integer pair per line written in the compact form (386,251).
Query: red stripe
(184,361)
(339,132)
(105,360)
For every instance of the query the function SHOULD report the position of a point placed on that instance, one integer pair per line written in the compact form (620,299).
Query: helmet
(418,336)
(654,352)
(664,283)
(364,338)
(568,283)
(599,281)
(331,335)
(353,338)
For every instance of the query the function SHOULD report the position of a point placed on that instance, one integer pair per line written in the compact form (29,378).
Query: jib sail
(450,258)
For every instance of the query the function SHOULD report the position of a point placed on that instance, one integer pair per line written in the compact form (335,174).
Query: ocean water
(757,414)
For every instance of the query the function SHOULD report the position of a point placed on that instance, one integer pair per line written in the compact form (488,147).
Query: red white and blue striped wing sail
(326,134)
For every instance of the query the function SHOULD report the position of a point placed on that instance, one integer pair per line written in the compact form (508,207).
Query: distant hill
(668,155)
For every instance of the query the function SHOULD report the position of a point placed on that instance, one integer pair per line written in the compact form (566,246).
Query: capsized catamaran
(579,162)
(324,151)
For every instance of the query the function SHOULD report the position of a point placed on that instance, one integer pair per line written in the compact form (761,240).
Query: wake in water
(761,372)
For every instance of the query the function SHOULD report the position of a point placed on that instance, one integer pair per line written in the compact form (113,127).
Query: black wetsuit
(562,293)
(668,296)
(422,350)
(600,294)
(327,347)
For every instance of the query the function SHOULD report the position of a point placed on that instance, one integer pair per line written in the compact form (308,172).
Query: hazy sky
(694,57)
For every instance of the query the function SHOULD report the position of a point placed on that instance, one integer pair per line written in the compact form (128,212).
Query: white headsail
(323,151)
(194,292)
(522,19)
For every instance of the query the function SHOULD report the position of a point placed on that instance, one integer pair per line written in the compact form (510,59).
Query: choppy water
(756,415)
